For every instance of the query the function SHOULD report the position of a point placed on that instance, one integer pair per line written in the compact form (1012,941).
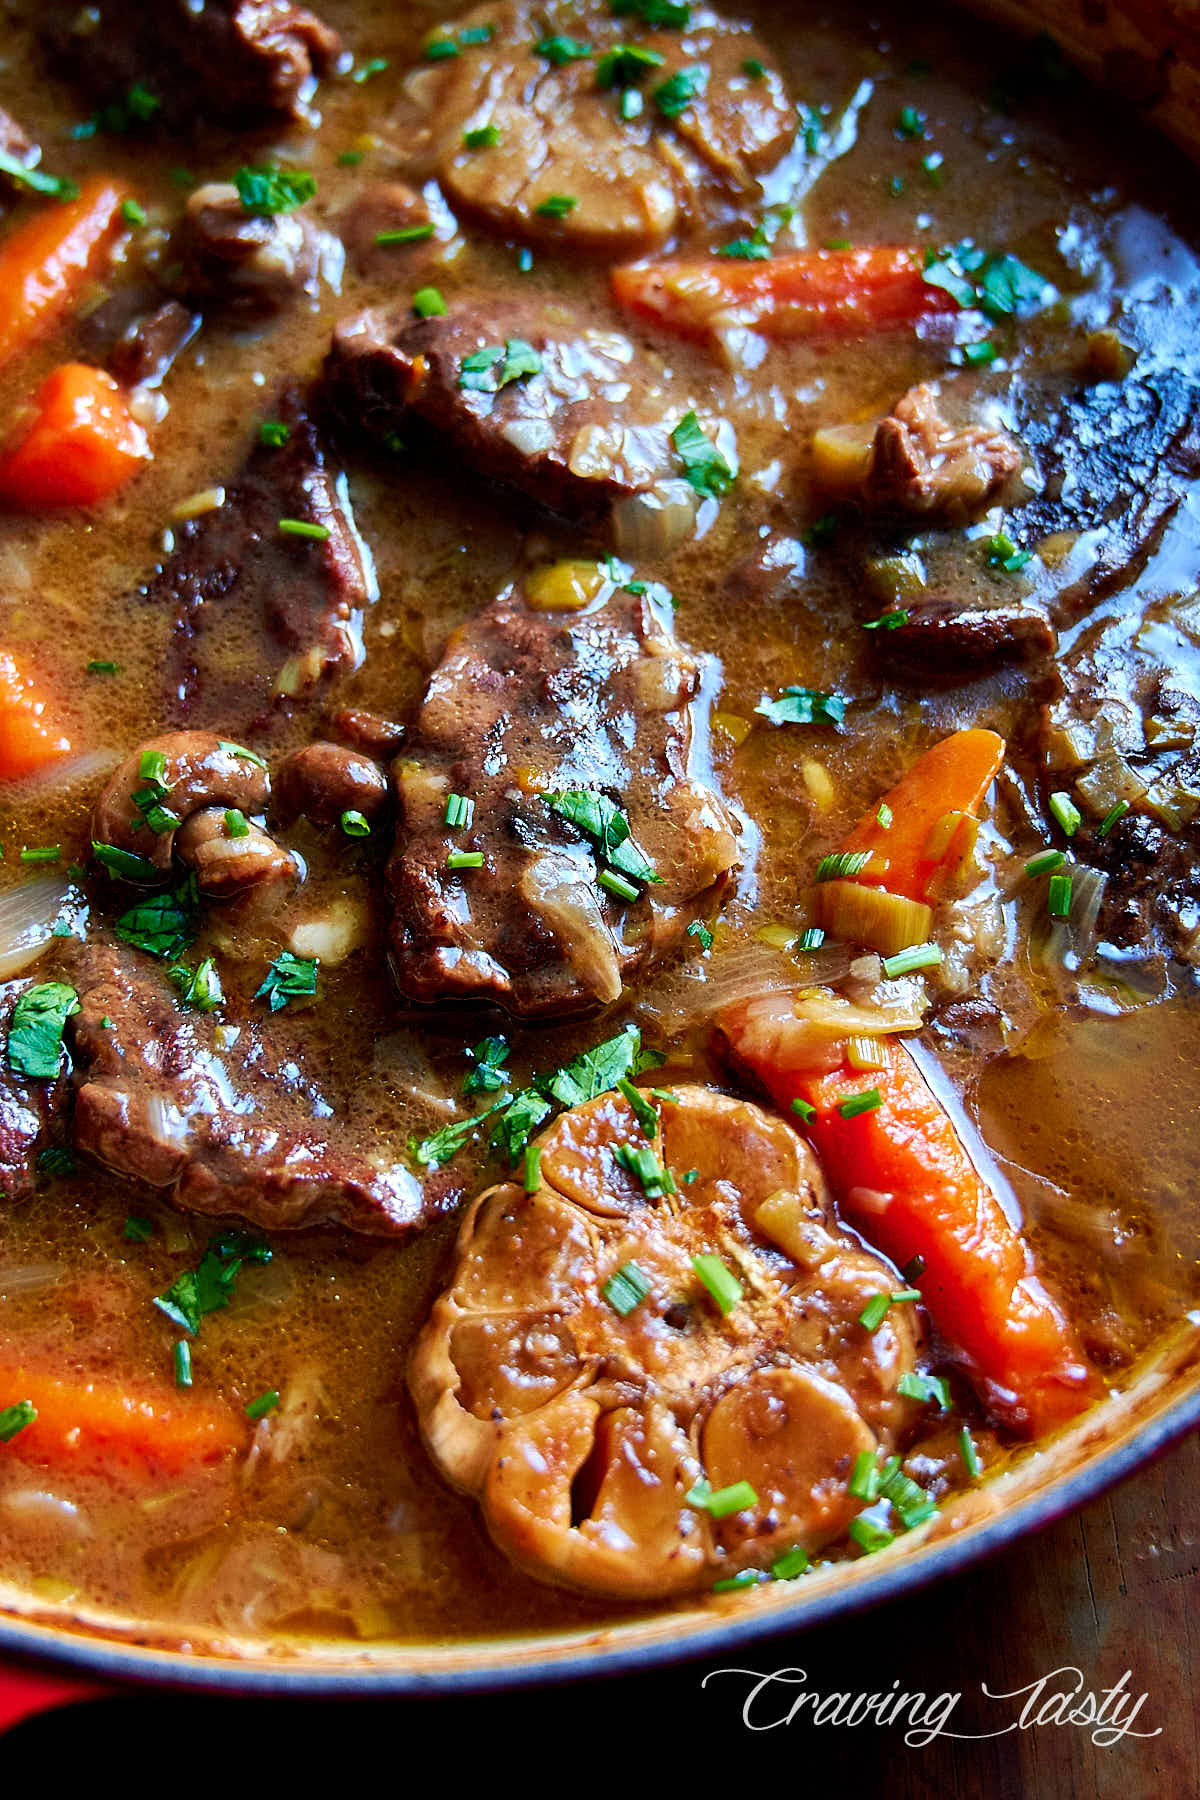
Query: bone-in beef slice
(225,1123)
(560,129)
(525,704)
(250,61)
(261,613)
(569,415)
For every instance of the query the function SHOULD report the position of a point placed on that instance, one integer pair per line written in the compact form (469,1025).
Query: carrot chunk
(45,262)
(914,831)
(29,739)
(96,1424)
(806,293)
(81,445)
(903,1176)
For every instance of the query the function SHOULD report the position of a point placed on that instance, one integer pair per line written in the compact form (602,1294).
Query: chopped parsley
(441,1145)
(605,822)
(888,621)
(124,864)
(138,1230)
(626,66)
(521,1117)
(703,464)
(35,1033)
(598,1069)
(703,936)
(15,1418)
(199,988)
(266,189)
(999,285)
(137,108)
(488,1074)
(803,706)
(209,1287)
(676,94)
(488,370)
(165,924)
(56,1159)
(289,978)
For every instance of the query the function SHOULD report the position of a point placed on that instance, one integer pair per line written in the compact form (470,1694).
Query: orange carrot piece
(28,738)
(81,445)
(45,262)
(806,293)
(902,1175)
(950,778)
(101,1424)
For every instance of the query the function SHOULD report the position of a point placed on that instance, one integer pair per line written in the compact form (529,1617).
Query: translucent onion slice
(27,915)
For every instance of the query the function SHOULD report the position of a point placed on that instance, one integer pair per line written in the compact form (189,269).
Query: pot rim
(116,1661)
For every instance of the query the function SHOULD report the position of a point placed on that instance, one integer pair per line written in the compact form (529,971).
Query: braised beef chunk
(1123,739)
(943,635)
(592,707)
(222,1123)
(263,612)
(28,1108)
(543,409)
(247,61)
(630,180)
(922,464)
(247,264)
(1114,459)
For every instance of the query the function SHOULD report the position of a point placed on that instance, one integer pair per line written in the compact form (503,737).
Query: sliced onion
(656,522)
(693,993)
(27,915)
(27,1278)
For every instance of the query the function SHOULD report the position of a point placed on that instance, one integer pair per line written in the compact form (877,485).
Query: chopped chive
(902,1295)
(626,1289)
(888,621)
(842,865)
(643,1112)
(871,1318)
(460,810)
(734,1584)
(883,818)
(265,1403)
(465,859)
(1065,813)
(926,1388)
(793,1562)
(354,824)
(404,234)
(561,50)
(556,206)
(979,354)
(869,1535)
(1110,818)
(236,823)
(641,1162)
(375,66)
(427,303)
(911,1504)
(690,1175)
(804,1109)
(533,1168)
(864,1478)
(1058,896)
(132,213)
(1045,862)
(907,962)
(182,1357)
(303,528)
(911,123)
(98,667)
(1003,554)
(739,1496)
(701,933)
(617,884)
(854,1104)
(15,1418)
(42,853)
(969,1454)
(721,1282)
(483,137)
(273,433)
(438,49)
(811,938)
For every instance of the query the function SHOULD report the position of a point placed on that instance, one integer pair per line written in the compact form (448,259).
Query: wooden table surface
(1114,1588)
